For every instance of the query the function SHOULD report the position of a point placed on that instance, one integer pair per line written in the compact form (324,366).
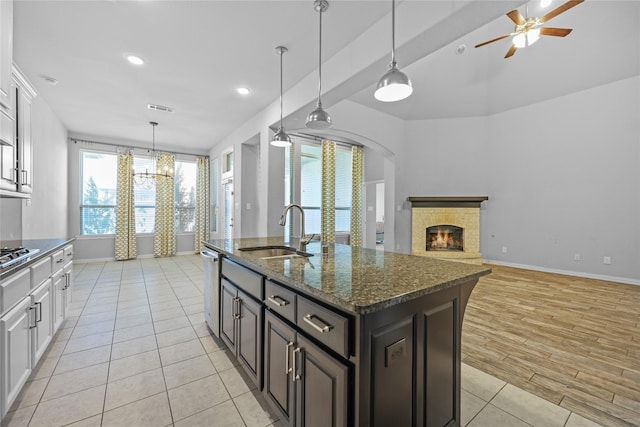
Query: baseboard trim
(625,280)
(146,256)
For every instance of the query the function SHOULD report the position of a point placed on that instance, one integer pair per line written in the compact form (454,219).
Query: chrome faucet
(283,221)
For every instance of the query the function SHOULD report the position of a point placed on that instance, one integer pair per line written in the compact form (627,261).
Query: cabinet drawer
(247,280)
(58,260)
(280,300)
(323,324)
(68,253)
(14,289)
(40,272)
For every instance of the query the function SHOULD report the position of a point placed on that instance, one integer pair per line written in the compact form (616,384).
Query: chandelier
(152,174)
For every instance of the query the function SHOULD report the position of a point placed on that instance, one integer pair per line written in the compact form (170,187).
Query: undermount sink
(270,252)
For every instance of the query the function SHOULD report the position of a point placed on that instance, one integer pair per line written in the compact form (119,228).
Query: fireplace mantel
(446,201)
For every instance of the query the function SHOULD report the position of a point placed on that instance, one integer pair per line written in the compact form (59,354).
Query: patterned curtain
(202,202)
(164,239)
(125,212)
(328,207)
(356,196)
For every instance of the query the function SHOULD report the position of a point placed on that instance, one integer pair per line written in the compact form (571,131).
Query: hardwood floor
(569,340)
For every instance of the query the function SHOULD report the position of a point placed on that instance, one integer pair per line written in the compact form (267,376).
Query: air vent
(160,108)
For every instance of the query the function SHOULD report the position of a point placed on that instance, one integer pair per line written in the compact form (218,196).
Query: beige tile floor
(135,351)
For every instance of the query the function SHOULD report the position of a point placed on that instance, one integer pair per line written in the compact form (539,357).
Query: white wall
(46,215)
(562,176)
(564,179)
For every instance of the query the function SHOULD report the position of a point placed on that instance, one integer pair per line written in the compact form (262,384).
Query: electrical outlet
(576,257)
(607,260)
(398,246)
(504,249)
(248,206)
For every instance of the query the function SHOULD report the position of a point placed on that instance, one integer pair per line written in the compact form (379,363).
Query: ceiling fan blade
(555,12)
(511,51)
(516,17)
(494,40)
(557,32)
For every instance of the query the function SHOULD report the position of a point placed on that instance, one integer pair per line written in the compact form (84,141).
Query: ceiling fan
(528,30)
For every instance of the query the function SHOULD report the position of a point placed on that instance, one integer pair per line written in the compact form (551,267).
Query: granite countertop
(46,246)
(355,279)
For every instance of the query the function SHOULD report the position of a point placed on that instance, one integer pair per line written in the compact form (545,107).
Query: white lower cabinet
(15,345)
(29,318)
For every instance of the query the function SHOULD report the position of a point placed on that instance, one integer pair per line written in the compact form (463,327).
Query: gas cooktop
(9,256)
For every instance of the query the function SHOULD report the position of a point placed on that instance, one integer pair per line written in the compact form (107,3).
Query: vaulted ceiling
(198,52)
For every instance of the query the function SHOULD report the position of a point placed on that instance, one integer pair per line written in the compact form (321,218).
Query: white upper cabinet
(6,56)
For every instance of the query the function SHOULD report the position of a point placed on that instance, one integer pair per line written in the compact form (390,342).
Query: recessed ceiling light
(243,90)
(135,60)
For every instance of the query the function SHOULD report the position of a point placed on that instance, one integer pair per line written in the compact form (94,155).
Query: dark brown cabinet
(306,385)
(241,328)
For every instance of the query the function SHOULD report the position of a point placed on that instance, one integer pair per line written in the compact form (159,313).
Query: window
(185,189)
(98,195)
(144,199)
(311,187)
(98,182)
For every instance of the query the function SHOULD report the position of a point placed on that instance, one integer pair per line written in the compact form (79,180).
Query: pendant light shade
(280,138)
(319,118)
(394,85)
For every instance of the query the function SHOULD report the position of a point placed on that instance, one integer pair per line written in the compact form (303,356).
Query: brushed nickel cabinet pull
(323,328)
(279,301)
(287,367)
(296,376)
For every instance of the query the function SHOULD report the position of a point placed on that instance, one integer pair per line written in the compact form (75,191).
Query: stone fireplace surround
(459,211)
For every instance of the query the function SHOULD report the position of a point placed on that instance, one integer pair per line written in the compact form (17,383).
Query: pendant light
(394,85)
(280,138)
(319,118)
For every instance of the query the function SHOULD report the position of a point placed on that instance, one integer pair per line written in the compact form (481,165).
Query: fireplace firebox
(445,238)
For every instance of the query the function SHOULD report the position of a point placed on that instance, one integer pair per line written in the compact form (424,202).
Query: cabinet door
(6,53)
(323,384)
(228,304)
(41,335)
(279,340)
(8,153)
(250,337)
(59,300)
(16,351)
(25,170)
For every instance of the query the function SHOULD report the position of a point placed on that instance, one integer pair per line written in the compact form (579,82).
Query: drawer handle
(60,260)
(279,301)
(322,329)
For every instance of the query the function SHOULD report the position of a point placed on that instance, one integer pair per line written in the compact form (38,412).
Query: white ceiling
(603,47)
(198,52)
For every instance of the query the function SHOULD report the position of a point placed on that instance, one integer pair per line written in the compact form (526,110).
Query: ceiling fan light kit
(394,85)
(319,118)
(528,30)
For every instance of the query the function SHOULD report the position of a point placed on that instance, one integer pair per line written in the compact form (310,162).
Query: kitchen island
(352,336)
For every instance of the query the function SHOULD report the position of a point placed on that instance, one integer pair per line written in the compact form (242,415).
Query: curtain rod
(322,138)
(76,140)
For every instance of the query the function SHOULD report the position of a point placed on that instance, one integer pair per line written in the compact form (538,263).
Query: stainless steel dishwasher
(212,290)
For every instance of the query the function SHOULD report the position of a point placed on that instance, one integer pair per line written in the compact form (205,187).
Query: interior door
(228,209)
